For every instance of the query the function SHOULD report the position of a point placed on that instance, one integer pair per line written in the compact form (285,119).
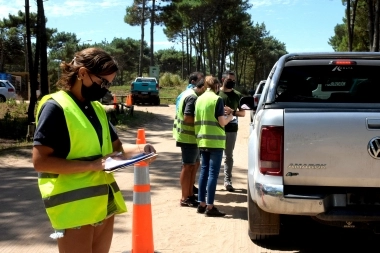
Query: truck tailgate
(330,148)
(144,87)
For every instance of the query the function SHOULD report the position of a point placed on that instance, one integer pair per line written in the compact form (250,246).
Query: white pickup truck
(316,153)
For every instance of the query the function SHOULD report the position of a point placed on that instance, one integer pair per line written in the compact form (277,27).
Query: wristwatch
(234,112)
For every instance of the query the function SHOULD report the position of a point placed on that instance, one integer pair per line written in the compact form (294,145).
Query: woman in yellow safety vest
(210,118)
(71,142)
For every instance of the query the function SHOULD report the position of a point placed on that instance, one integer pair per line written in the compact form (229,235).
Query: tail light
(271,150)
(11,90)
(343,62)
(256,100)
(157,86)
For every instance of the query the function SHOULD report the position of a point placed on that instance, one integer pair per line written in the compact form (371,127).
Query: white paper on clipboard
(112,165)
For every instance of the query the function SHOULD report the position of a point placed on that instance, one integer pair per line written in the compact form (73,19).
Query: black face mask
(230,84)
(94,92)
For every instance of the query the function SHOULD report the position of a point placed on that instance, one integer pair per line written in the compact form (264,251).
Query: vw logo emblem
(374,147)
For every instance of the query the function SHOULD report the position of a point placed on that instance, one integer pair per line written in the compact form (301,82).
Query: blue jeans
(208,176)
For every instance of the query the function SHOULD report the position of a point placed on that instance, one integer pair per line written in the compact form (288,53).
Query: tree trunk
(371,24)
(376,31)
(1,51)
(183,56)
(44,79)
(142,38)
(351,15)
(32,75)
(348,15)
(152,20)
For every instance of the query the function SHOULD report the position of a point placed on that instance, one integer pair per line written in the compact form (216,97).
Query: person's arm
(128,150)
(239,112)
(45,161)
(189,109)
(222,112)
(225,120)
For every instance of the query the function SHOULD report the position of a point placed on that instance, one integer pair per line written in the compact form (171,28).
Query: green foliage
(361,41)
(169,60)
(216,35)
(120,90)
(13,120)
(170,80)
(12,35)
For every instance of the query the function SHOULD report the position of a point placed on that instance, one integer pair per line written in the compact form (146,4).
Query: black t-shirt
(231,99)
(52,129)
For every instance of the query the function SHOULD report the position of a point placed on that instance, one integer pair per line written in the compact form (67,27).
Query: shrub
(13,120)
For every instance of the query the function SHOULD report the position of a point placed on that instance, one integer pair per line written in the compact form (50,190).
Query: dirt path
(24,226)
(181,229)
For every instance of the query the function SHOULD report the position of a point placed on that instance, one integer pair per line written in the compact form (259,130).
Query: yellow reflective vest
(77,199)
(182,131)
(208,132)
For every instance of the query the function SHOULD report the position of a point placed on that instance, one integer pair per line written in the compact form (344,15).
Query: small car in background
(145,90)
(7,91)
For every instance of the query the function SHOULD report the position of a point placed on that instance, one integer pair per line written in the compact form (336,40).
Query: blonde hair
(212,82)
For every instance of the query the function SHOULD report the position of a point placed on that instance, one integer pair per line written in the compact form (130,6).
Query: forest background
(214,36)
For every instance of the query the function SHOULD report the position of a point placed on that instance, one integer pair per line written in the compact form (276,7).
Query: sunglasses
(104,83)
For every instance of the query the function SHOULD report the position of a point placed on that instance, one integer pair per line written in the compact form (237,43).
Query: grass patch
(125,122)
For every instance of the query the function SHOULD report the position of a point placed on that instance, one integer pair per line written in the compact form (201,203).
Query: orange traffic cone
(142,230)
(128,100)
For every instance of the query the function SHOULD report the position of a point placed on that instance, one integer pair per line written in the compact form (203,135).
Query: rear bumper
(270,198)
(330,208)
(144,94)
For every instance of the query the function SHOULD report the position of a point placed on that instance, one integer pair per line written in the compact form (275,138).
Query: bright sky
(303,25)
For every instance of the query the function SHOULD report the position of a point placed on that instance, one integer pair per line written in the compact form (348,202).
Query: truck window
(321,84)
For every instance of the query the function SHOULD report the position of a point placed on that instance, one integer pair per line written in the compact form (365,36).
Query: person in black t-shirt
(231,99)
(72,140)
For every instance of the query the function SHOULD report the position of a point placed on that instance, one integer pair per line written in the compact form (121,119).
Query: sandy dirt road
(24,226)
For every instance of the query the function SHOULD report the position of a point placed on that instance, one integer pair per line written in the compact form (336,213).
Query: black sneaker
(214,212)
(201,209)
(195,190)
(190,201)
(230,188)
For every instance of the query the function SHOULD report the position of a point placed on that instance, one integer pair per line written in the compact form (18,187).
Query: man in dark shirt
(231,99)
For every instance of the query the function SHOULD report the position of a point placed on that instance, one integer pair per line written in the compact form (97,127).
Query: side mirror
(247,103)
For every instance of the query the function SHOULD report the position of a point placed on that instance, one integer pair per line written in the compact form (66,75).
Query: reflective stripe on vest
(183,132)
(209,134)
(78,199)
